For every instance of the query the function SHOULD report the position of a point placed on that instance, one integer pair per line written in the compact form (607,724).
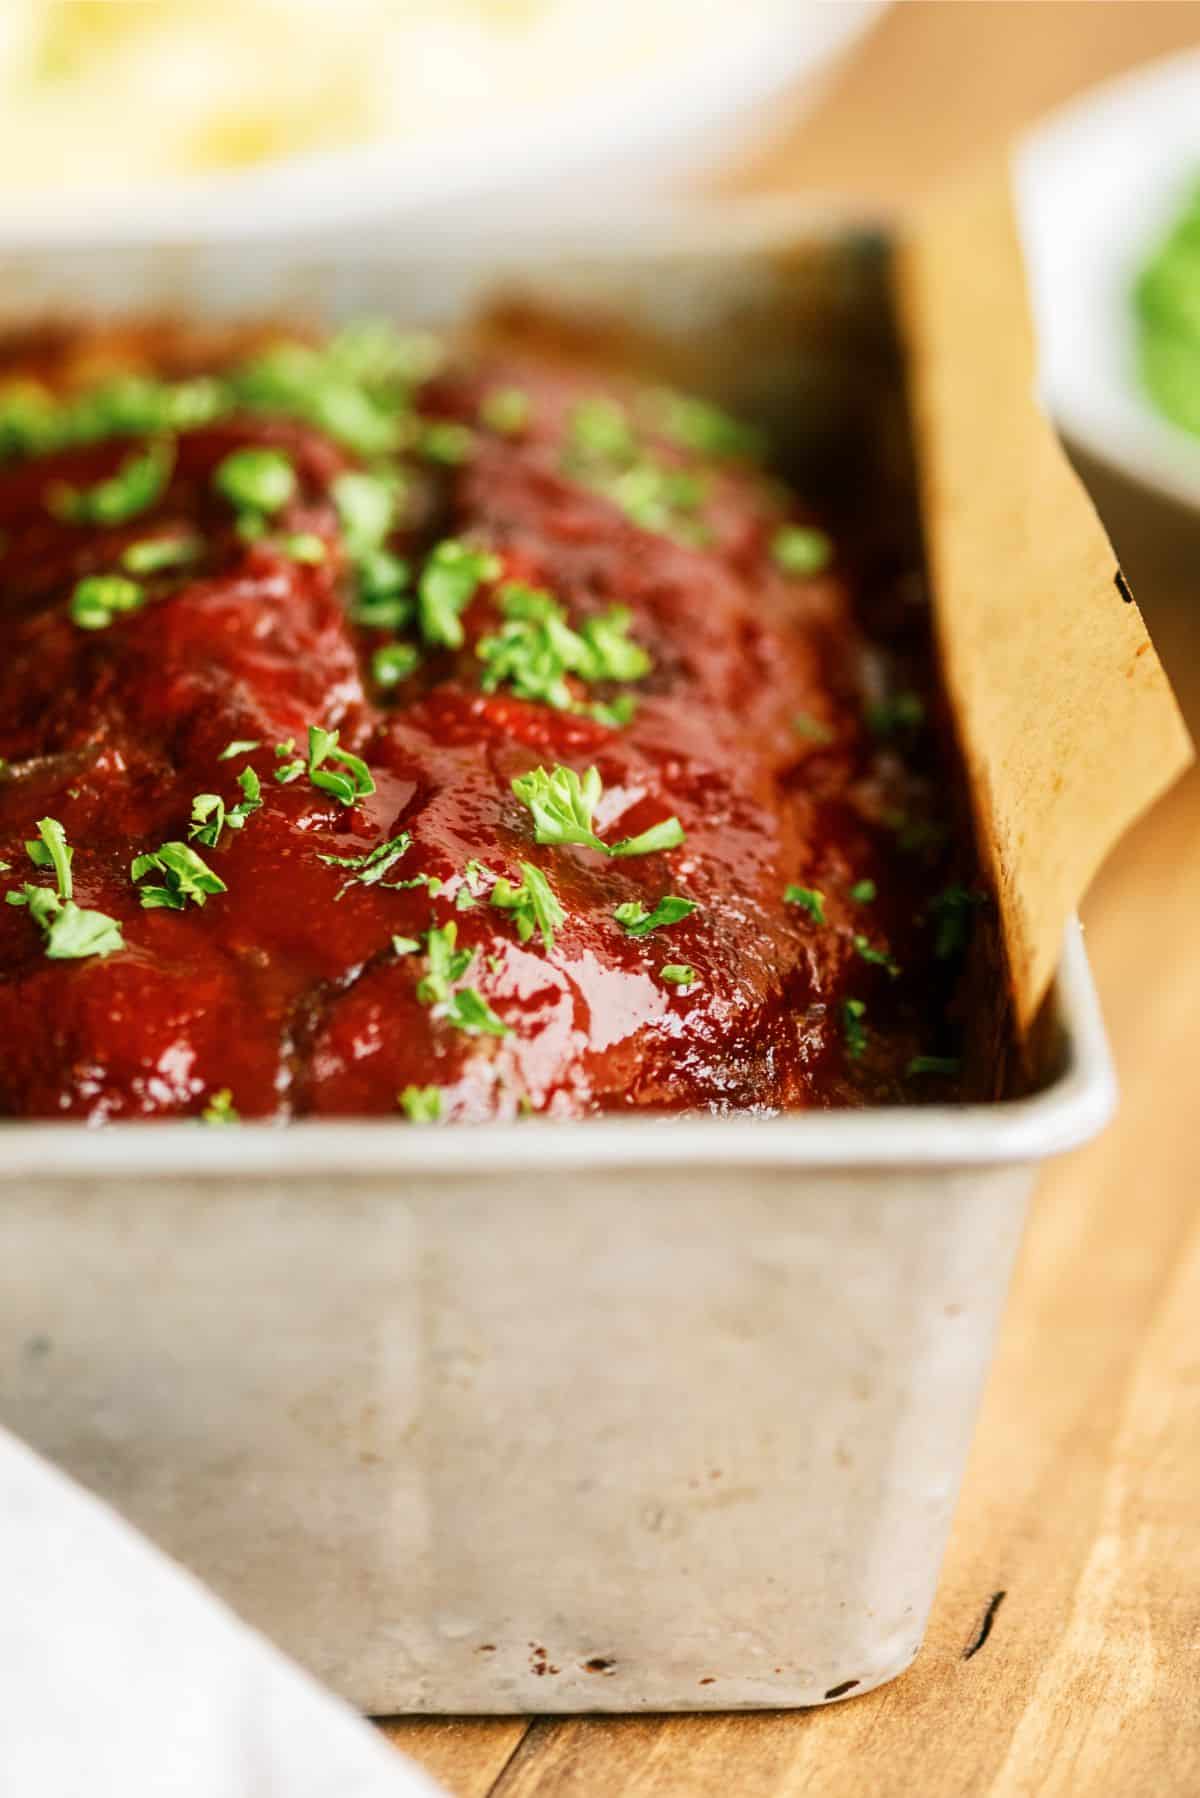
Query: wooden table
(1078,1536)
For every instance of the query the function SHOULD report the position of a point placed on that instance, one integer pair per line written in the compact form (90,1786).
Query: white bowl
(1098,185)
(724,85)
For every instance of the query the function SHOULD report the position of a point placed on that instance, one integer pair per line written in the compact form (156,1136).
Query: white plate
(725,85)
(1098,186)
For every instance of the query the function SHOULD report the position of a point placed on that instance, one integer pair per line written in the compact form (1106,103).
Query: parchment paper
(1069,728)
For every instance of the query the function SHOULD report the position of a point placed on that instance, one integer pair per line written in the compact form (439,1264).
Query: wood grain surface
(1082,1503)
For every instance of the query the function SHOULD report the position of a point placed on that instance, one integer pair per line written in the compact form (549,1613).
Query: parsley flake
(801,551)
(505,410)
(394,662)
(536,648)
(678,974)
(137,485)
(210,818)
(953,910)
(305,547)
(71,932)
(445,963)
(700,426)
(805,725)
(635,920)
(220,1109)
(347,787)
(50,849)
(879,957)
(239,746)
(854,1031)
(446,441)
(468,1010)
(151,555)
(863,892)
(99,598)
(256,480)
(369,869)
(561,803)
(903,711)
(461,1006)
(421,1104)
(808,899)
(934,1064)
(405,945)
(446,587)
(185,876)
(533,904)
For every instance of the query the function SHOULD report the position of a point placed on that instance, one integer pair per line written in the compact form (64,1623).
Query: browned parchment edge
(1069,729)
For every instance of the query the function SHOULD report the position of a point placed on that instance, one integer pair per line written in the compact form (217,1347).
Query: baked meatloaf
(454,734)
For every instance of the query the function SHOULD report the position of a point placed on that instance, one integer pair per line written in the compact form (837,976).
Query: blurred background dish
(1108,210)
(194,119)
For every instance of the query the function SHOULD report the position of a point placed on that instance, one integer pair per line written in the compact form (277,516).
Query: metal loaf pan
(625,1415)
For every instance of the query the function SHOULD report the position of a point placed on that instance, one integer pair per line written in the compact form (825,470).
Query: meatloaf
(453,734)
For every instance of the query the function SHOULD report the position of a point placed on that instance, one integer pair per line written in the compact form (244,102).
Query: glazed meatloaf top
(386,730)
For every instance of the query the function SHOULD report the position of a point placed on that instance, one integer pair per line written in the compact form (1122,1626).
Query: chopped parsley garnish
(879,957)
(220,1109)
(239,746)
(305,547)
(137,485)
(801,550)
(696,424)
(805,725)
(615,713)
(468,1010)
(536,648)
(863,892)
(808,899)
(678,974)
(635,920)
(446,587)
(659,498)
(394,662)
(598,431)
(446,964)
(369,869)
(382,600)
(154,554)
(953,913)
(446,441)
(50,849)
(348,782)
(257,481)
(405,945)
(366,507)
(561,804)
(185,876)
(902,711)
(421,1104)
(209,816)
(505,410)
(602,450)
(533,904)
(934,1064)
(99,598)
(71,932)
(854,1031)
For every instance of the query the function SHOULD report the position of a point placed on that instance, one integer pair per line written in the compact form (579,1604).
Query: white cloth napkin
(121,1677)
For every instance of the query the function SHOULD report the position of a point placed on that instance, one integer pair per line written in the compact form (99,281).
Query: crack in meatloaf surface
(488,575)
